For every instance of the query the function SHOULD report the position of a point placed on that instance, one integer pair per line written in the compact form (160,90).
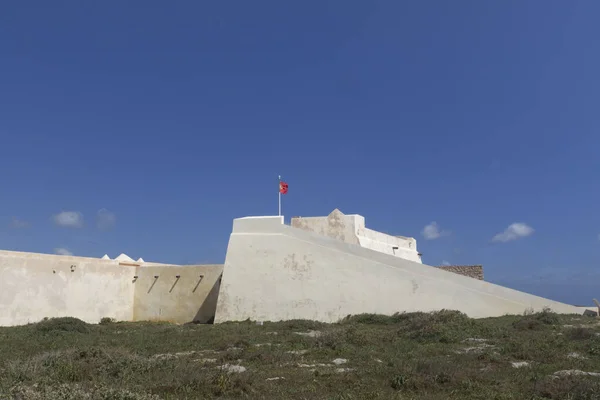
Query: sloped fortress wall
(34,286)
(351,229)
(276,272)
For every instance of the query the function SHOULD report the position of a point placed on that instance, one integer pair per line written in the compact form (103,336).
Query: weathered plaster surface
(176,293)
(351,229)
(34,286)
(278,272)
(336,225)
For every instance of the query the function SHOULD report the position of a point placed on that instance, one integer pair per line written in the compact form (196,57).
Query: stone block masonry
(472,271)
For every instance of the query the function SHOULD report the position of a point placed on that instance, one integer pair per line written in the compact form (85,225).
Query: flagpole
(279,191)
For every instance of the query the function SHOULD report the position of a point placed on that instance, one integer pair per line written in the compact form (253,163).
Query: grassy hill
(442,355)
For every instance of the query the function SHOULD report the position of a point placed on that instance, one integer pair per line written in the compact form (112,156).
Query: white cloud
(105,219)
(513,232)
(62,251)
(444,262)
(19,223)
(71,219)
(432,231)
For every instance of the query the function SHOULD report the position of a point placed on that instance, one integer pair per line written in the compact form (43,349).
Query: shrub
(301,324)
(548,317)
(345,336)
(525,324)
(64,324)
(107,321)
(375,319)
(223,383)
(442,324)
(576,388)
(541,347)
(241,343)
(78,365)
(537,321)
(76,392)
(398,382)
(445,326)
(594,349)
(333,339)
(580,333)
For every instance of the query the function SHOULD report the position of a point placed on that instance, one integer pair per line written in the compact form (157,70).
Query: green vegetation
(441,355)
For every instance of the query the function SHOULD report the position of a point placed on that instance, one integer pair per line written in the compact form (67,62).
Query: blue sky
(163,121)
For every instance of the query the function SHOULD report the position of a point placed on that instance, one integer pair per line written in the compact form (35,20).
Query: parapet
(257,224)
(351,229)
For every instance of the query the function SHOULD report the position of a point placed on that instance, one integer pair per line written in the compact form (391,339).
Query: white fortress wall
(351,229)
(176,293)
(276,272)
(336,225)
(34,286)
(402,247)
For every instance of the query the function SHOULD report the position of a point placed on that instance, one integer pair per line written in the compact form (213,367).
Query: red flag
(283,187)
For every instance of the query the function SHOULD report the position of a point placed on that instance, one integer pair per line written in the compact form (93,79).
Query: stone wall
(34,286)
(472,271)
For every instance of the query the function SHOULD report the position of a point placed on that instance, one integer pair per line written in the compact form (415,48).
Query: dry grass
(442,355)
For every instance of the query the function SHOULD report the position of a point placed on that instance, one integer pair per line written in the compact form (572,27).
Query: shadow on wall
(176,294)
(206,312)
